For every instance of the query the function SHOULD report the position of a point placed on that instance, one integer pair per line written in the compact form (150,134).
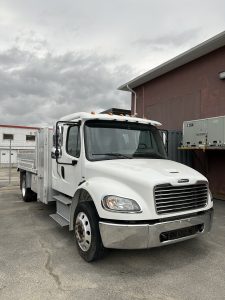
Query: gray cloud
(168,40)
(58,56)
(40,89)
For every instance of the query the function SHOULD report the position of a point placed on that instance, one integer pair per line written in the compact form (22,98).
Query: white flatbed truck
(113,184)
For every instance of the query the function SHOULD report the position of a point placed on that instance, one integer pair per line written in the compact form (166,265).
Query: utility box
(216,131)
(195,133)
(208,132)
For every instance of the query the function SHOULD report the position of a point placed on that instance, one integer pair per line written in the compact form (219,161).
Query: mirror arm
(74,162)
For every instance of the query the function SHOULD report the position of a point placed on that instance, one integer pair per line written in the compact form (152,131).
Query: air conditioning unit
(208,132)
(194,133)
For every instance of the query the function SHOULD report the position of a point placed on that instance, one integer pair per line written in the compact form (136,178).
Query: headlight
(119,204)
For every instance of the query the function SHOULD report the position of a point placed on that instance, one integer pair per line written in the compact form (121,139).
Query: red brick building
(187,87)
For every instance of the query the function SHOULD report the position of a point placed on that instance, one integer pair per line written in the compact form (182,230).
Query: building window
(30,138)
(7,136)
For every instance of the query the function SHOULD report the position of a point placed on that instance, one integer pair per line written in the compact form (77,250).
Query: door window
(73,141)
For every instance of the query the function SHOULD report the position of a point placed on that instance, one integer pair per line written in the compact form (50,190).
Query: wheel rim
(83,231)
(23,188)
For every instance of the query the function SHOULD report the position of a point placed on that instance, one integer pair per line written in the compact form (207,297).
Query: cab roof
(83,116)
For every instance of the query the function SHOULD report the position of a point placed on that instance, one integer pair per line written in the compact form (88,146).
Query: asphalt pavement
(39,260)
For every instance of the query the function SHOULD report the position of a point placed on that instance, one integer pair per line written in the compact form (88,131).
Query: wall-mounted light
(222,75)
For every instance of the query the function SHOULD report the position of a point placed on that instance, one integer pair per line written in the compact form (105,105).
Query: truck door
(67,168)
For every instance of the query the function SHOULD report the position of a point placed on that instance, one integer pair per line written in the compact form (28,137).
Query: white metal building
(16,137)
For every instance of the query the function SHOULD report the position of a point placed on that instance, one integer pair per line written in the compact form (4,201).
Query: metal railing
(9,164)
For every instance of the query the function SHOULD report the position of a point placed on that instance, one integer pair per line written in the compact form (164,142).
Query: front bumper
(141,236)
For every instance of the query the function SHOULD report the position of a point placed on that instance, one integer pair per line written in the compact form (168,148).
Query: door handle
(63,172)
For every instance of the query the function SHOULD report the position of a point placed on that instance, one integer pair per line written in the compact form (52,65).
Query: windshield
(117,140)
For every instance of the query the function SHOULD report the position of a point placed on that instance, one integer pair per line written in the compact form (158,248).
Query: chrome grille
(169,199)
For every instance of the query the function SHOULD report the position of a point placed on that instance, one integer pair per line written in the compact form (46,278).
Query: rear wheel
(87,235)
(27,194)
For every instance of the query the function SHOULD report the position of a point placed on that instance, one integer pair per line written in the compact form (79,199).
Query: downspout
(143,102)
(135,100)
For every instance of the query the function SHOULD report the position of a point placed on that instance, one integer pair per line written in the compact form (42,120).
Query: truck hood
(136,179)
(154,171)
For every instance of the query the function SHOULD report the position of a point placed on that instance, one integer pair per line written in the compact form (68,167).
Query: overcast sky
(64,56)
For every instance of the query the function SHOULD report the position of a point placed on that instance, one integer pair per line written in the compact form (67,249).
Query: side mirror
(164,136)
(57,143)
(60,136)
(56,153)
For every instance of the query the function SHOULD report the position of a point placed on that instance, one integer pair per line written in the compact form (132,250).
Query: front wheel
(87,235)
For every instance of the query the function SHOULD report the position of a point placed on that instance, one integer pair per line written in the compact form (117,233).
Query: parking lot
(39,260)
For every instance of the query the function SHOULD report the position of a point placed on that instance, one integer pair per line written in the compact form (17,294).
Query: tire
(27,194)
(86,229)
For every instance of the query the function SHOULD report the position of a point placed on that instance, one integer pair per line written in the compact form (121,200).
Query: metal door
(67,172)
(4,156)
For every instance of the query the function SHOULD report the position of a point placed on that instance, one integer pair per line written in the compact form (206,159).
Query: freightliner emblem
(183,180)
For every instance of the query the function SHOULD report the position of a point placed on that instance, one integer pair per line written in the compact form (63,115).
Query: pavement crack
(49,268)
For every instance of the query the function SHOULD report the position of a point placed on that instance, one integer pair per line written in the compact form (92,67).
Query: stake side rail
(27,160)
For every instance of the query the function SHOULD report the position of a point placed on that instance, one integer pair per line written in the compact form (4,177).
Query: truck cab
(114,186)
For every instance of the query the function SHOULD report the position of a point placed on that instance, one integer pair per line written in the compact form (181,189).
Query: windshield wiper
(150,155)
(120,155)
